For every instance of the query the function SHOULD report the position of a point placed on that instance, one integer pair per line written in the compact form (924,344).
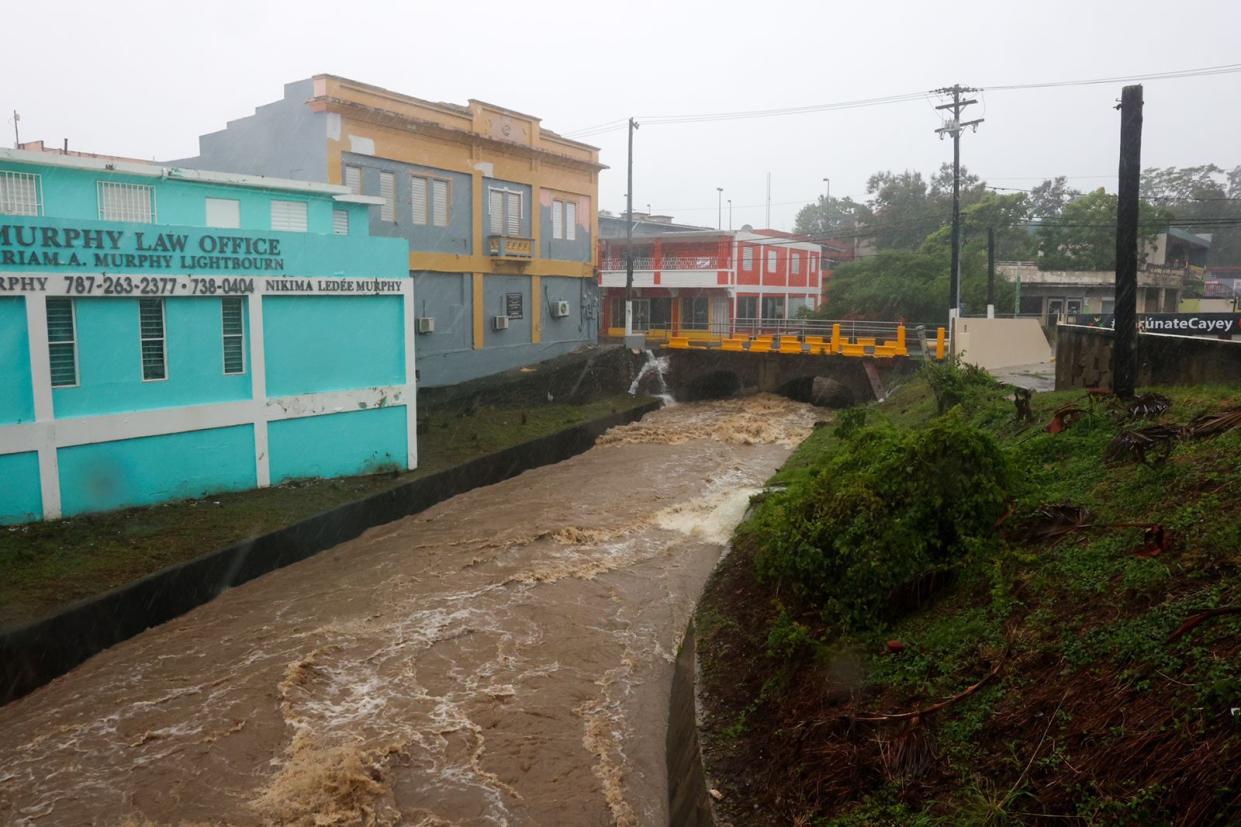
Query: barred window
(439,202)
(353,179)
(19,194)
(126,202)
(151,332)
(62,342)
(234,328)
(429,200)
(570,220)
(557,219)
(340,222)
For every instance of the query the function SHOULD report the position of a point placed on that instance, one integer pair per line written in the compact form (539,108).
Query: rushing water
(659,366)
(502,658)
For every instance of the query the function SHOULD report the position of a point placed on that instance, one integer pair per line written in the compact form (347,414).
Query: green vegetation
(1067,691)
(50,565)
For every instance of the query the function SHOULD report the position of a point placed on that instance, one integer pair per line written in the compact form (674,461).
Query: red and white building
(704,283)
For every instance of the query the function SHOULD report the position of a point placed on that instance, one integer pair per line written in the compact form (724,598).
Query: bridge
(858,357)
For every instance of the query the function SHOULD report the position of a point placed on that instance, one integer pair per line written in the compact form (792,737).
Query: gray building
(499,213)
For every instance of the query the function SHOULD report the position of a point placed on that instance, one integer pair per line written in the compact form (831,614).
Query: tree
(1050,197)
(1083,236)
(1203,193)
(1007,214)
(903,210)
(824,219)
(973,188)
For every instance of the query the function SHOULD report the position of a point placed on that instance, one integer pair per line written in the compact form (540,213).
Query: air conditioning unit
(560,310)
(499,322)
(426,324)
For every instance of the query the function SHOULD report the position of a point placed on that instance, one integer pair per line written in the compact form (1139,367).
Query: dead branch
(1193,621)
(876,717)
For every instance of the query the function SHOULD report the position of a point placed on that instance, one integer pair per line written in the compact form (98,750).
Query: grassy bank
(47,566)
(1038,671)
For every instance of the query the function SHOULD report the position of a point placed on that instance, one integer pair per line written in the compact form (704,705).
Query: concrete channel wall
(33,655)
(1084,359)
(689,802)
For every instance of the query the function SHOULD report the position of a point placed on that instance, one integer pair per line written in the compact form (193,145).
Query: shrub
(954,383)
(890,510)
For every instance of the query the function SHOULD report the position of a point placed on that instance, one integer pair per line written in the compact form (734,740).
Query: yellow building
(499,213)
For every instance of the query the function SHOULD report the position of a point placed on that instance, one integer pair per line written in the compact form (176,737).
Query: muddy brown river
(502,658)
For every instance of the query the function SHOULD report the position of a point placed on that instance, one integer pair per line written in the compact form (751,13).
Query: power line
(608,126)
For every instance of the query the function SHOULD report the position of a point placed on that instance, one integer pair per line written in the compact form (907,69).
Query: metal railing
(667,263)
(851,330)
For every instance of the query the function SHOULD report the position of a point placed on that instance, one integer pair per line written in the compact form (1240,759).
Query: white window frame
(570,221)
(505,192)
(130,190)
(207,202)
(162,339)
(795,263)
(557,218)
(9,204)
(747,258)
(352,178)
(225,336)
(429,217)
(72,342)
(305,216)
(773,260)
(340,220)
(387,210)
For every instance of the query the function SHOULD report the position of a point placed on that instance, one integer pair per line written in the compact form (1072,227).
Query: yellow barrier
(835,346)
(733,344)
(901,349)
(678,343)
(866,341)
(852,349)
(885,351)
(789,345)
(939,343)
(760,346)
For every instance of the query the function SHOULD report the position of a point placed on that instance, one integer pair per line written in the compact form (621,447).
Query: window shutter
(19,193)
(439,203)
(151,331)
(62,348)
(353,180)
(289,216)
(340,222)
(557,219)
(224,213)
(512,213)
(387,191)
(234,335)
(570,220)
(418,198)
(495,212)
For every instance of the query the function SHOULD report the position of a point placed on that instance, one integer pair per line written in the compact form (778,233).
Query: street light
(828,193)
(719,220)
(730,215)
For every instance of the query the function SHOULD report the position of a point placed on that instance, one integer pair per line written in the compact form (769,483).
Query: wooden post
(1124,337)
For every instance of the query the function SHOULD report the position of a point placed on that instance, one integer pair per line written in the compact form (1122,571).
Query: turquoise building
(169,333)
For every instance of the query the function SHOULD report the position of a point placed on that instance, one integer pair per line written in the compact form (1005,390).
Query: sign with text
(1180,324)
(108,285)
(512,305)
(33,245)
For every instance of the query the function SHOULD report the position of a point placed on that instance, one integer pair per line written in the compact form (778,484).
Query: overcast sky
(144,79)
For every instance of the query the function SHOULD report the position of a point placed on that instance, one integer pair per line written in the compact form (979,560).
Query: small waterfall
(659,365)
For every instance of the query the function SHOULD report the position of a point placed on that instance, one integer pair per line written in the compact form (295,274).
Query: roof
(1189,237)
(150,170)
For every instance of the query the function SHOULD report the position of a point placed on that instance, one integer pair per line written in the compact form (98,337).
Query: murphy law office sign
(37,245)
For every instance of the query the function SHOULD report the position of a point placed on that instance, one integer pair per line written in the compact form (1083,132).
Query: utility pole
(768,224)
(953,128)
(1124,337)
(629,238)
(730,215)
(17,138)
(719,217)
(991,272)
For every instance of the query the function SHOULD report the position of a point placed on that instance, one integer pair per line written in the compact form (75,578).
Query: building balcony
(510,247)
(667,263)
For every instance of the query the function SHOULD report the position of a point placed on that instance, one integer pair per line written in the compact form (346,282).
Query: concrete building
(498,213)
(169,333)
(1173,262)
(705,283)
